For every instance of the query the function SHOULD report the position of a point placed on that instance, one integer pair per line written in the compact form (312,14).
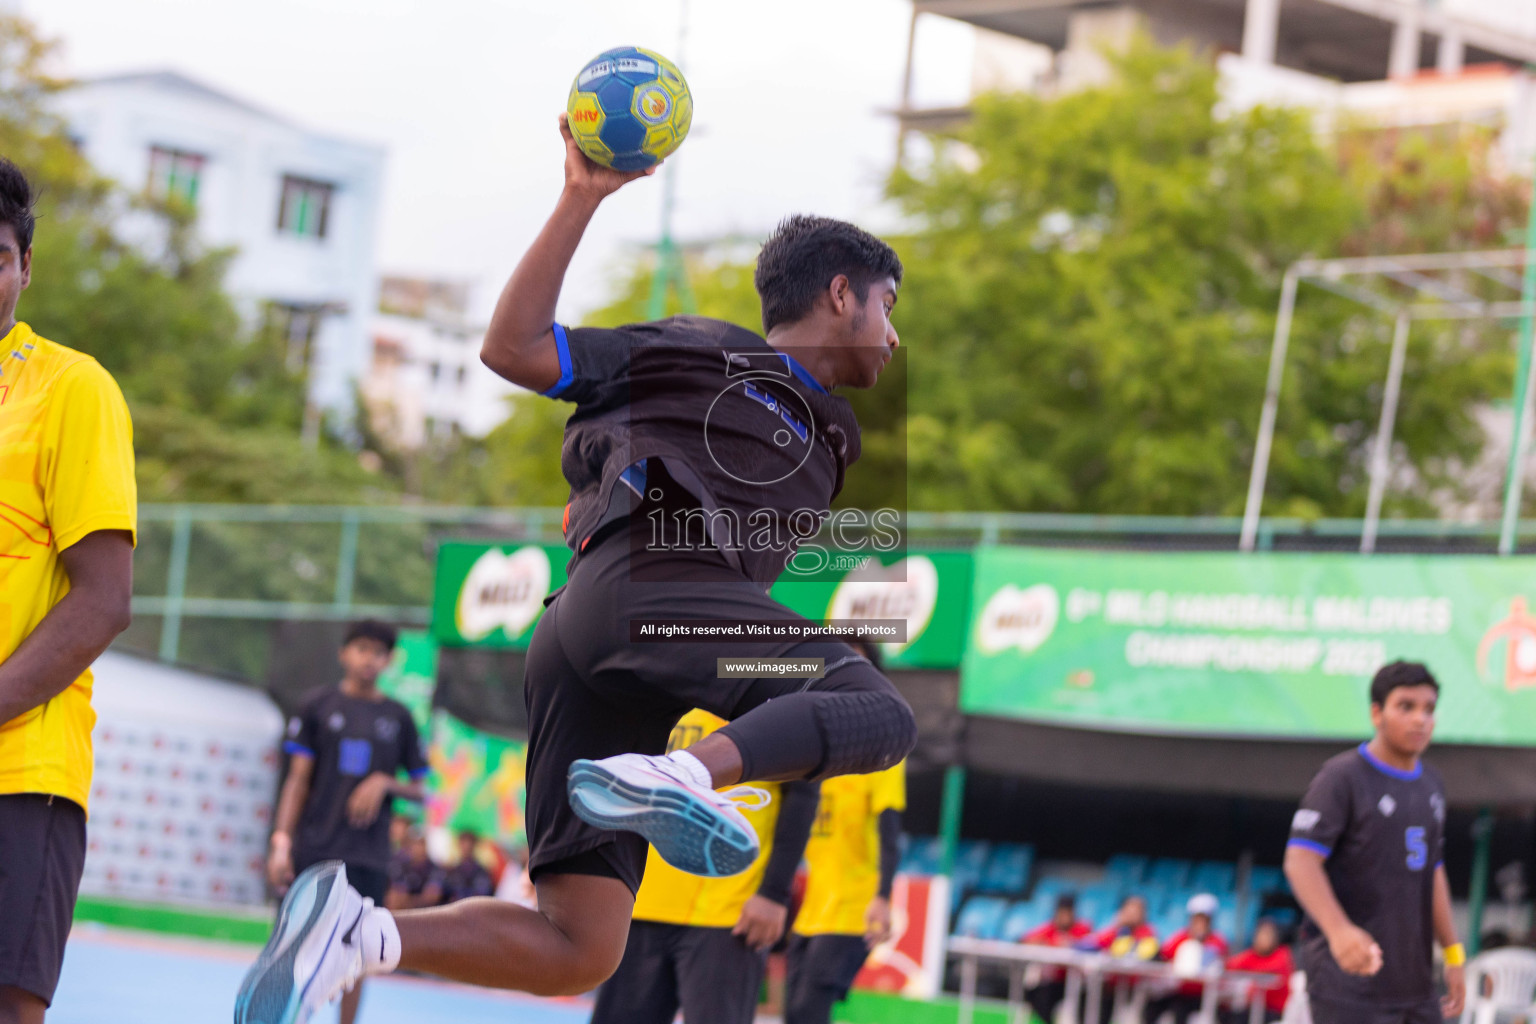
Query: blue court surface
(134,978)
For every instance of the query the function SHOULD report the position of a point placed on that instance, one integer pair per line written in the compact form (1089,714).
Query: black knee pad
(863,731)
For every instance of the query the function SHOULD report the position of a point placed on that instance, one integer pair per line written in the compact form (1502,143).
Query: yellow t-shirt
(66,470)
(843,856)
(670,896)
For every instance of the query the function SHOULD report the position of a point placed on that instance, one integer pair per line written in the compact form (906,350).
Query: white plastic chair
(1511,979)
(1297,1009)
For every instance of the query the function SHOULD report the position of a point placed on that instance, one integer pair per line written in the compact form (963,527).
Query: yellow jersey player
(851,859)
(68,511)
(702,943)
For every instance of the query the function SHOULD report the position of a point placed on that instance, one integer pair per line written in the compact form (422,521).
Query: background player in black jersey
(685,416)
(345,748)
(1366,862)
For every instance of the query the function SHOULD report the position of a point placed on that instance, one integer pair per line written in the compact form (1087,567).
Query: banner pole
(1381,456)
(1513,477)
(1271,410)
(949,817)
(1477,894)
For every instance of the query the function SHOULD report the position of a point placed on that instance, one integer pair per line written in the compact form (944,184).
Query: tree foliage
(216,411)
(1091,290)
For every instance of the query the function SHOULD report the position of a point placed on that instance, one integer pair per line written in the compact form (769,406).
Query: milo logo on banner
(503,591)
(1014,618)
(906,590)
(1518,634)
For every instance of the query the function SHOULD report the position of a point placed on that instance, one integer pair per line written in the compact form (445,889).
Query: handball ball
(629,108)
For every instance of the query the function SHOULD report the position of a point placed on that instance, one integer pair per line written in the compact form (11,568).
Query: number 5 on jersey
(1418,851)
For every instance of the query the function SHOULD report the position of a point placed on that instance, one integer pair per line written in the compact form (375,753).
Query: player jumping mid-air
(700,456)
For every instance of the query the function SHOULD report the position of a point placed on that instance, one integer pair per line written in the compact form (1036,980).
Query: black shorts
(593,693)
(42,853)
(369,881)
(1327,1012)
(827,962)
(708,972)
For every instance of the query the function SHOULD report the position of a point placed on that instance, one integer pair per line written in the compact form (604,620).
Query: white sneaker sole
(688,832)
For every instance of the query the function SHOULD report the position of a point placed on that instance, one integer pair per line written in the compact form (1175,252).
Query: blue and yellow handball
(629,108)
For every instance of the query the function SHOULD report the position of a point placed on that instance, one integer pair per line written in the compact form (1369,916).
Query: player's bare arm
(77,629)
(1445,934)
(520,342)
(290,804)
(1352,946)
(367,799)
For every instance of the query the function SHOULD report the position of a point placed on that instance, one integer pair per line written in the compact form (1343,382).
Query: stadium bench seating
(1126,869)
(1170,872)
(1264,879)
(923,855)
(1023,917)
(981,917)
(1007,868)
(1214,877)
(991,880)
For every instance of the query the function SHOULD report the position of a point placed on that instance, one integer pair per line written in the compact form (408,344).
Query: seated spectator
(468,877)
(414,881)
(1495,938)
(1063,930)
(399,832)
(1127,937)
(1265,956)
(1191,951)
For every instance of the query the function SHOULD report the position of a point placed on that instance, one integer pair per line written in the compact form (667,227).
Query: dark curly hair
(1399,673)
(805,253)
(16,203)
(372,629)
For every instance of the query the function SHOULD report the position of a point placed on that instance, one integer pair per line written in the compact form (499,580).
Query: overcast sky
(789,100)
(789,95)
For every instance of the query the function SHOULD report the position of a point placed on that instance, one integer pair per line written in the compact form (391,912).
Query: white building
(300,207)
(425,379)
(1392,62)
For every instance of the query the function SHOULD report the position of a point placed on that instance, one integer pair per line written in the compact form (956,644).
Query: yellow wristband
(1455,956)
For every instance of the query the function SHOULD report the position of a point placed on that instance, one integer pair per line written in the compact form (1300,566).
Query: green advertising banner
(1233,644)
(490,595)
(931,590)
(477,781)
(412,676)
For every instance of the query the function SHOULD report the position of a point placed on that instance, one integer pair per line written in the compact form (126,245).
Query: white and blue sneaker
(316,950)
(693,828)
